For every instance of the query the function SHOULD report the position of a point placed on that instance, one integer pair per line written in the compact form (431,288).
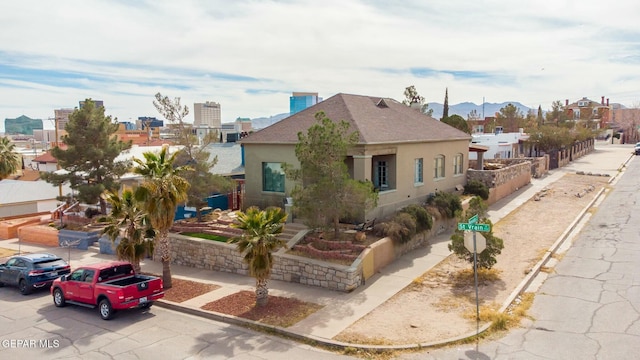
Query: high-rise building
(207,114)
(62,117)
(97,103)
(22,125)
(302,100)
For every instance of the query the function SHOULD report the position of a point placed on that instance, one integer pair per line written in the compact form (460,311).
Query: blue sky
(250,55)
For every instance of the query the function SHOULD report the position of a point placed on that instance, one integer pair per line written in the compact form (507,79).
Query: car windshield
(49,264)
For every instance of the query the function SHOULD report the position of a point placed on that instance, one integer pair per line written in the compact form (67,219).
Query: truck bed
(129,280)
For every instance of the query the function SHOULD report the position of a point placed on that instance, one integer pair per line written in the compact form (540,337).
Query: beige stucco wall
(254,156)
(401,160)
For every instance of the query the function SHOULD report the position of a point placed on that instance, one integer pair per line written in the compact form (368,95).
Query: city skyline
(250,56)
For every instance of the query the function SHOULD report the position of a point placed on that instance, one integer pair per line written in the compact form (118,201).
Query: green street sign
(474,227)
(473,219)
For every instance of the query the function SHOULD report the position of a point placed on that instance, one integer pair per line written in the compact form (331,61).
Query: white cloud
(250,55)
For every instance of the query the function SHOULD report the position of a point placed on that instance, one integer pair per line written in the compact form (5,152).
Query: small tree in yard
(9,158)
(487,258)
(128,218)
(258,242)
(327,193)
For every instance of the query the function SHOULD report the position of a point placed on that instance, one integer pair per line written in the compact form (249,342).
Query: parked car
(637,149)
(32,271)
(110,286)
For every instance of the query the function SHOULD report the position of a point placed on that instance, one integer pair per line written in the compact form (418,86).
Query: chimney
(602,101)
(566,102)
(607,101)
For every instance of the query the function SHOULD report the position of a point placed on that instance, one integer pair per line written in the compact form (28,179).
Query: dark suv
(32,271)
(637,149)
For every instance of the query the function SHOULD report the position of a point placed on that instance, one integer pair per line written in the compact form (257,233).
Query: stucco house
(406,154)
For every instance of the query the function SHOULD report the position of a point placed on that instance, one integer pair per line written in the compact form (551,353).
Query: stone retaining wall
(9,228)
(217,256)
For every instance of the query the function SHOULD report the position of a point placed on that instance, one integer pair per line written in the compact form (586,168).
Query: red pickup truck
(111,286)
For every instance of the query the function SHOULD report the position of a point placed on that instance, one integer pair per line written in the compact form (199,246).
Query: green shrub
(449,204)
(423,219)
(400,229)
(477,187)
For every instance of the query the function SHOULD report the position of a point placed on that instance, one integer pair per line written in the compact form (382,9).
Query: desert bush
(400,228)
(423,219)
(477,187)
(449,204)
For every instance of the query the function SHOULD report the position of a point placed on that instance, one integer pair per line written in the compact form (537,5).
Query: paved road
(31,327)
(589,308)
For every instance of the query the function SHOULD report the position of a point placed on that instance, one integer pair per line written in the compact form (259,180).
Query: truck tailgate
(143,291)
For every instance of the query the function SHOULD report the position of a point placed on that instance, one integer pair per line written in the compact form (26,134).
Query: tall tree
(88,159)
(457,122)
(258,242)
(557,115)
(9,158)
(510,117)
(129,218)
(445,108)
(326,193)
(413,99)
(162,191)
(194,154)
(540,118)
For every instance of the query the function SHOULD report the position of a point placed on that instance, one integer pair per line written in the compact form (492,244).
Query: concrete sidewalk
(343,309)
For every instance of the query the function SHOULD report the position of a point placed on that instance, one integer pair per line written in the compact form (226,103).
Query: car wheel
(24,289)
(58,298)
(1,284)
(106,311)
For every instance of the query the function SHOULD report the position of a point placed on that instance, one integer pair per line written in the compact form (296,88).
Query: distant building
(207,114)
(500,145)
(596,115)
(146,121)
(22,125)
(97,103)
(302,100)
(62,118)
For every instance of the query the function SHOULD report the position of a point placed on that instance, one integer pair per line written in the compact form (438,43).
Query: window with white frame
(457,164)
(418,170)
(438,171)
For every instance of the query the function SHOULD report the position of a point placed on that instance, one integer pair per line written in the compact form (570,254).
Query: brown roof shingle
(386,121)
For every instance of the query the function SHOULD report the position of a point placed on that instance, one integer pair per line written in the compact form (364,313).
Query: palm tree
(258,242)
(162,191)
(129,218)
(9,159)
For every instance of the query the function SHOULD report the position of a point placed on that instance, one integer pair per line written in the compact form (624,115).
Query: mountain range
(462,109)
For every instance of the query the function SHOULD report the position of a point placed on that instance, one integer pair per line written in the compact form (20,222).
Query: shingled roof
(377,120)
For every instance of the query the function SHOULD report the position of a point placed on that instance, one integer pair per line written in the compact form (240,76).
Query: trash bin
(288,208)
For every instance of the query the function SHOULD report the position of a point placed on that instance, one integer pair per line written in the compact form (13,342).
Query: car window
(50,263)
(20,263)
(12,262)
(88,275)
(76,275)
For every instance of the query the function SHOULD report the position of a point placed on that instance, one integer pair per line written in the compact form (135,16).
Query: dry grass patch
(466,277)
(7,252)
(279,311)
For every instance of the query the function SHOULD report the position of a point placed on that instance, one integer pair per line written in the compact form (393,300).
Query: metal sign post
(475,245)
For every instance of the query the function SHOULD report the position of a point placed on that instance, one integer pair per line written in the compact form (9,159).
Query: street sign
(474,227)
(481,242)
(473,219)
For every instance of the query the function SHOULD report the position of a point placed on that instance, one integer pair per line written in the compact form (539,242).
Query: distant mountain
(263,122)
(463,109)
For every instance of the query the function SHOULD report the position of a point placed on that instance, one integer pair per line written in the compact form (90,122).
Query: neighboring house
(229,159)
(19,198)
(406,154)
(45,162)
(596,114)
(500,145)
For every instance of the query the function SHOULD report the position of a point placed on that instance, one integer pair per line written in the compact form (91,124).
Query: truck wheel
(58,298)
(106,311)
(24,289)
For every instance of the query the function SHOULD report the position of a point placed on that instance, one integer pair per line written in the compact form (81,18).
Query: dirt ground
(437,306)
